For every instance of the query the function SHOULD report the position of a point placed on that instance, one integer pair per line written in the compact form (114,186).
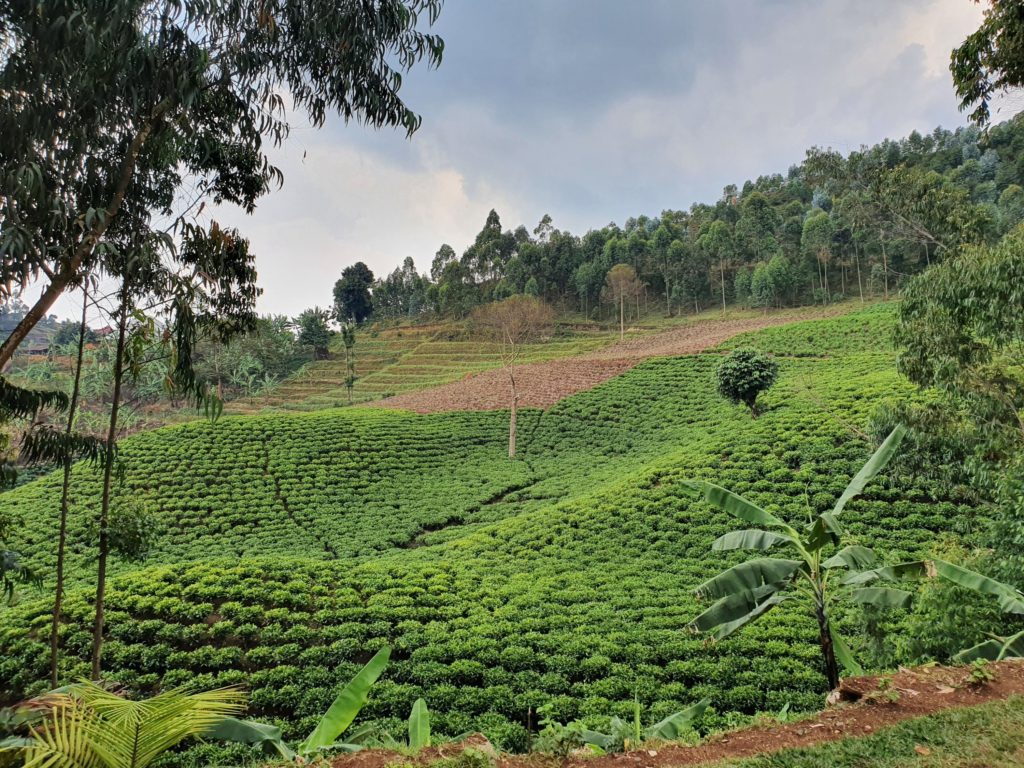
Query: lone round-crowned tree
(511,323)
(352,299)
(744,375)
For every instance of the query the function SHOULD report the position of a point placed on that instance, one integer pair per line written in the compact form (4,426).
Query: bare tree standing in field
(511,323)
(621,283)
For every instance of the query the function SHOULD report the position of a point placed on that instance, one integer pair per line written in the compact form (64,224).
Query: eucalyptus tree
(991,60)
(822,568)
(717,241)
(65,494)
(205,288)
(621,284)
(114,109)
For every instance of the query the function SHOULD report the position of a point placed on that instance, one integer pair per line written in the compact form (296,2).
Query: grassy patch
(989,736)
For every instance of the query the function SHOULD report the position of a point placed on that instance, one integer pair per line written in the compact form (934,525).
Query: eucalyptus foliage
(114,109)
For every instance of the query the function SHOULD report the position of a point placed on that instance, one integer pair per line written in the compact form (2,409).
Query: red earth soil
(866,705)
(541,385)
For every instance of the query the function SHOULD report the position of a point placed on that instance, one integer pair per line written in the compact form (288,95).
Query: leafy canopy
(116,109)
(744,375)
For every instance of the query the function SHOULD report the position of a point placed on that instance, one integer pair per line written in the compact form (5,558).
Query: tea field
(292,546)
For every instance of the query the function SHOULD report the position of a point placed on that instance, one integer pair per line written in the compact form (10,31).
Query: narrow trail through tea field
(541,385)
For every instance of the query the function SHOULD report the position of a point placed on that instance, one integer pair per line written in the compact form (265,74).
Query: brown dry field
(541,385)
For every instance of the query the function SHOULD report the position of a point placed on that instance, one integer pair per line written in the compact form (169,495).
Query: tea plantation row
(563,578)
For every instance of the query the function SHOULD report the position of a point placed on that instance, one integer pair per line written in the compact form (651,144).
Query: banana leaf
(853,557)
(825,529)
(674,726)
(748,576)
(1010,600)
(737,506)
(996,649)
(882,597)
(875,464)
(915,569)
(732,607)
(843,653)
(751,538)
(346,706)
(250,732)
(419,725)
(722,631)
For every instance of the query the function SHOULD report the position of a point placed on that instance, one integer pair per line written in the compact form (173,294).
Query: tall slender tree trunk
(885,267)
(104,543)
(622,317)
(721,265)
(512,414)
(860,285)
(58,597)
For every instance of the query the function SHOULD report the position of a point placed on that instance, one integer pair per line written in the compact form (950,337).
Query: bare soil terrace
(541,385)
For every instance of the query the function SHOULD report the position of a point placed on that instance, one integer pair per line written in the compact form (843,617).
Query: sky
(593,111)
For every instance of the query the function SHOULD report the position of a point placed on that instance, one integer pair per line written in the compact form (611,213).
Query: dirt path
(869,704)
(541,385)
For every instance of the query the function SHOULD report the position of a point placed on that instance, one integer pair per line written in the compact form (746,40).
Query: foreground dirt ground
(541,385)
(867,705)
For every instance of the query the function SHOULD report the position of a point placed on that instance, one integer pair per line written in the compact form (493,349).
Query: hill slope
(296,545)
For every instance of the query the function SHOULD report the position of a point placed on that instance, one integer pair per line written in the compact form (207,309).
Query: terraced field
(294,545)
(435,367)
(400,361)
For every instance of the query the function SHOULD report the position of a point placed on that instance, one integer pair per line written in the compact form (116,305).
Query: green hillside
(294,545)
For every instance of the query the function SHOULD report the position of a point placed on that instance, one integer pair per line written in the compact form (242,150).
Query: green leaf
(677,725)
(854,557)
(882,597)
(1010,600)
(748,576)
(823,531)
(736,505)
(732,607)
(250,732)
(347,705)
(419,725)
(751,538)
(722,630)
(875,464)
(915,569)
(843,654)
(993,650)
(1013,646)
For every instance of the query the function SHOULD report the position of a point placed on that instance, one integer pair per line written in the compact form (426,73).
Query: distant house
(104,331)
(37,349)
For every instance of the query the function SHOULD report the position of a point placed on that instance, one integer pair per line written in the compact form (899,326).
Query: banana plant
(86,726)
(624,736)
(332,725)
(820,568)
(417,738)
(1010,600)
